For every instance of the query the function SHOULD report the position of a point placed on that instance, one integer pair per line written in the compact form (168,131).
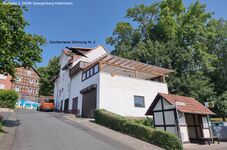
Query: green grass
(1,128)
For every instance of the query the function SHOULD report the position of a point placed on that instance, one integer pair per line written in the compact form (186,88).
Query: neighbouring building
(27,83)
(101,80)
(5,82)
(180,115)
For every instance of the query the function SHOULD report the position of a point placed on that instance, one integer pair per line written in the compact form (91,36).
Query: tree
(221,105)
(17,48)
(47,76)
(186,40)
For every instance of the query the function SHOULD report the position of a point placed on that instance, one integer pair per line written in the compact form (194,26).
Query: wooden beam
(127,63)
(100,66)
(117,65)
(107,58)
(114,60)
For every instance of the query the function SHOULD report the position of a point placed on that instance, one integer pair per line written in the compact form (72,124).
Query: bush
(1,128)
(144,121)
(1,117)
(148,134)
(8,98)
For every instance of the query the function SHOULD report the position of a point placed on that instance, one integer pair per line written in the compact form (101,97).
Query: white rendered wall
(77,85)
(206,130)
(92,55)
(183,127)
(56,93)
(169,117)
(117,94)
(64,81)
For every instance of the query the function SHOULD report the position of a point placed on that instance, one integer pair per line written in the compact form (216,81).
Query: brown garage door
(89,103)
(75,106)
(66,106)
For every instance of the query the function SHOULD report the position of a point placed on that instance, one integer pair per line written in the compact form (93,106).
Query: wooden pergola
(123,66)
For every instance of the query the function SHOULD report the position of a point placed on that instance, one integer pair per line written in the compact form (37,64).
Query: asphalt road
(51,131)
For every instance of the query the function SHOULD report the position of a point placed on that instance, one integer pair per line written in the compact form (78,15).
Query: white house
(101,80)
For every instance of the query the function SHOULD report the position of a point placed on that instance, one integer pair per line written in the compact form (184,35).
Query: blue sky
(88,20)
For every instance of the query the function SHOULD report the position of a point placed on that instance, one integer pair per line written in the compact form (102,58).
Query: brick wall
(5,82)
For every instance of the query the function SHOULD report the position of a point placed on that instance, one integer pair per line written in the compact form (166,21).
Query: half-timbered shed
(180,115)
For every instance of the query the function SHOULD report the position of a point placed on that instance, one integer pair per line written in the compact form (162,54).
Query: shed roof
(186,104)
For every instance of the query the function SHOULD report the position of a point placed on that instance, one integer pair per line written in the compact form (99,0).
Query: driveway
(52,131)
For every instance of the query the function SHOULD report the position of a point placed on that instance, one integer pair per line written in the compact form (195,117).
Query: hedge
(1,128)
(8,98)
(144,121)
(119,123)
(1,117)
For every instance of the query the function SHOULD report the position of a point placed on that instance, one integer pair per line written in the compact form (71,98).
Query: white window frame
(2,86)
(35,91)
(17,88)
(2,76)
(31,81)
(30,91)
(29,72)
(96,69)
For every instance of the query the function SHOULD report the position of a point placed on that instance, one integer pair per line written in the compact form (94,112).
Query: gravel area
(215,146)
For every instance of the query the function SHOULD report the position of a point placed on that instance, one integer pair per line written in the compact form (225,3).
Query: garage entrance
(66,106)
(89,101)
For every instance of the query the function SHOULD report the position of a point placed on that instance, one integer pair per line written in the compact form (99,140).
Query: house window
(17,89)
(96,68)
(2,86)
(29,91)
(83,76)
(139,101)
(36,81)
(91,72)
(35,91)
(18,79)
(87,74)
(60,92)
(2,76)
(29,72)
(31,81)
(68,87)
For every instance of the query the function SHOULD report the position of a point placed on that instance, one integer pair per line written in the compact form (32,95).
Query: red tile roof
(185,104)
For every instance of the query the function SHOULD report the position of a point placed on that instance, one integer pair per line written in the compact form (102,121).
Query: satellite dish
(75,51)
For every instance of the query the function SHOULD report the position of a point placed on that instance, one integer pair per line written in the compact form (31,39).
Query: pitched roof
(188,104)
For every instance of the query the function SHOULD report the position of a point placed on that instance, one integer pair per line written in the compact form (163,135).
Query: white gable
(158,105)
(92,55)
